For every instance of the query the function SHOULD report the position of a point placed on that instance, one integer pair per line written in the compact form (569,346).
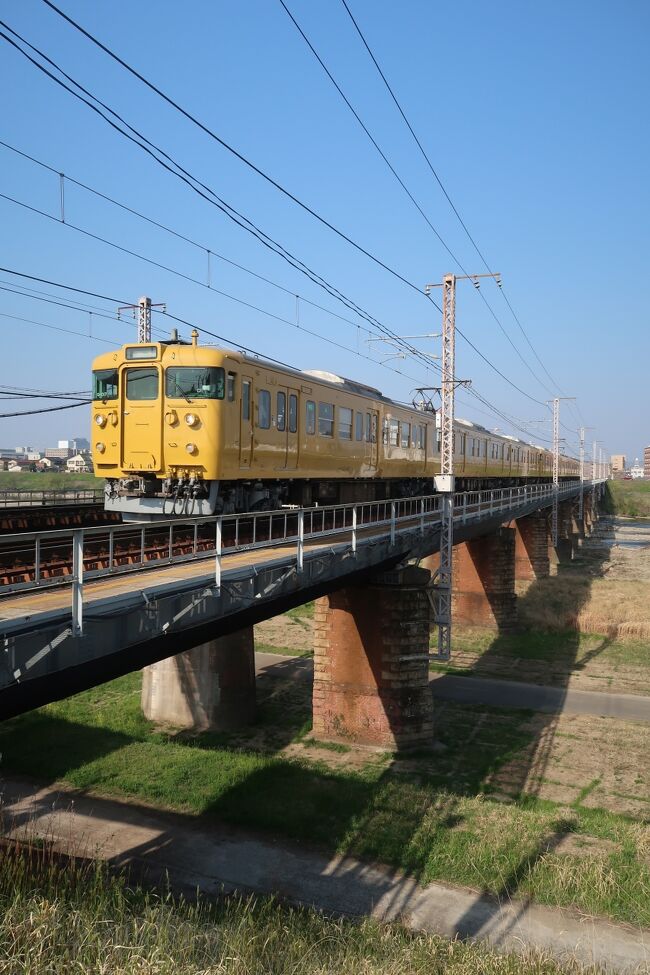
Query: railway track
(36,562)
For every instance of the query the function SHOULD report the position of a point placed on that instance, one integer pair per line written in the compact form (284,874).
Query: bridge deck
(127,618)
(36,602)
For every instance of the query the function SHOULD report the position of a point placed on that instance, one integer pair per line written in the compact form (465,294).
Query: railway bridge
(184,606)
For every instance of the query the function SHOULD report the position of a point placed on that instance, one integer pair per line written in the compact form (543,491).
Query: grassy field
(496,807)
(63,917)
(630,499)
(45,481)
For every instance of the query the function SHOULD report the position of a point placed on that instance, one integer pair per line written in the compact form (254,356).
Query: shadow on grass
(407,811)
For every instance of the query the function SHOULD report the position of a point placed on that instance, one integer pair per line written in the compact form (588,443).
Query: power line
(405,188)
(495,411)
(203,248)
(187,277)
(238,155)
(56,328)
(214,199)
(225,208)
(94,108)
(47,409)
(441,185)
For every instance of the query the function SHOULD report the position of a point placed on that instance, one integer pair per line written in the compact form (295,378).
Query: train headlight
(100,420)
(190,448)
(191,419)
(100,447)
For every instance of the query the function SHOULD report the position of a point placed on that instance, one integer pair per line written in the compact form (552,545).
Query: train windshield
(195,382)
(105,384)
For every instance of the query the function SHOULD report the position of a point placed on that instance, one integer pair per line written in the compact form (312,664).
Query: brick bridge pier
(371,641)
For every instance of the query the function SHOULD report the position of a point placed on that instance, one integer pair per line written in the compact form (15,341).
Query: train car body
(184,429)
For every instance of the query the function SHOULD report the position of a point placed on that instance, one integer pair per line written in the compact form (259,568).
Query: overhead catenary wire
(202,284)
(401,182)
(203,248)
(202,190)
(494,411)
(441,185)
(58,81)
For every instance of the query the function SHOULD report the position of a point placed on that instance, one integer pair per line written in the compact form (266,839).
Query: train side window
(264,409)
(310,416)
(230,387)
(358,425)
(141,383)
(405,439)
(393,432)
(282,411)
(246,399)
(293,413)
(368,428)
(373,428)
(345,423)
(326,419)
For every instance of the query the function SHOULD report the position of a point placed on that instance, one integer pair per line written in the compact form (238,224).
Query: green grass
(306,611)
(431,815)
(567,650)
(630,499)
(46,481)
(61,916)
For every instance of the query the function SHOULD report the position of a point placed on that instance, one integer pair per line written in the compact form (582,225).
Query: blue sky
(534,115)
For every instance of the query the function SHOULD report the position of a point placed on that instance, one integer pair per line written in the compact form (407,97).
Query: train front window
(105,384)
(142,383)
(195,382)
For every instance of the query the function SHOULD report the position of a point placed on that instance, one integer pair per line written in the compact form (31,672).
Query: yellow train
(179,428)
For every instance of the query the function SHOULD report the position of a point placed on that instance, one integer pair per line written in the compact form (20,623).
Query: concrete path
(214,858)
(494,693)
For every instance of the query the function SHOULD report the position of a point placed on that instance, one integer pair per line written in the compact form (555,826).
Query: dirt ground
(574,760)
(603,595)
(293,635)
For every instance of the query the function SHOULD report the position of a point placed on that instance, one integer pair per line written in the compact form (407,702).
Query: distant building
(636,470)
(61,452)
(80,444)
(79,464)
(65,445)
(618,462)
(646,462)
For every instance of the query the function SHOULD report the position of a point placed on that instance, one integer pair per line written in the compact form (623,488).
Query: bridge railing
(62,558)
(50,499)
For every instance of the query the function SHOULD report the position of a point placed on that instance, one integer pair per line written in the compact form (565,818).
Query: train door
(292,429)
(372,431)
(246,422)
(142,418)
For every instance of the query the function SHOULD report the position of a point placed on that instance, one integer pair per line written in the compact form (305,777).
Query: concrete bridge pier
(484,581)
(209,688)
(371,668)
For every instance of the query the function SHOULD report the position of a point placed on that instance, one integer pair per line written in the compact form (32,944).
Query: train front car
(157,425)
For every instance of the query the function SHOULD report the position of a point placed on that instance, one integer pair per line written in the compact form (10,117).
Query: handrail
(212,537)
(50,498)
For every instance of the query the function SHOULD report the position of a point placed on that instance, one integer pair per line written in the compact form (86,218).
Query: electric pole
(143,309)
(444,483)
(556,462)
(582,471)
